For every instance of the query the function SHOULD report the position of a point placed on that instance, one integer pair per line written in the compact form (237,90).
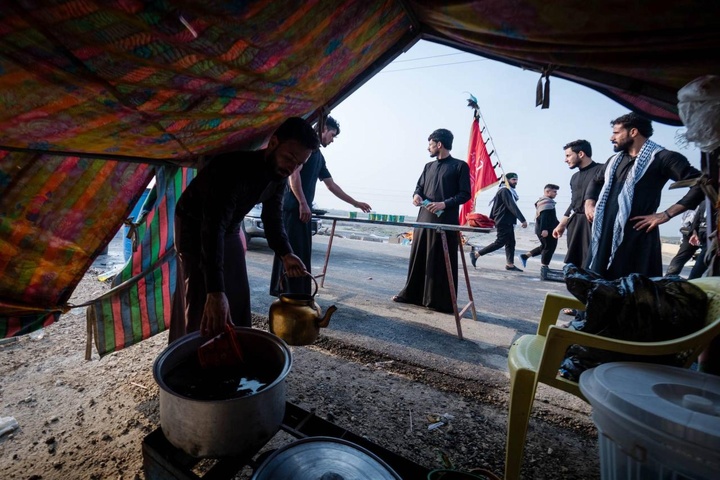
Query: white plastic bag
(8,425)
(699,108)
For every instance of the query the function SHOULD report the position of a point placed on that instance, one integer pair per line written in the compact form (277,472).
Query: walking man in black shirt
(505,213)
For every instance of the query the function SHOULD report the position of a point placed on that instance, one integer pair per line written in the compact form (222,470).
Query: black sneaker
(524,258)
(512,269)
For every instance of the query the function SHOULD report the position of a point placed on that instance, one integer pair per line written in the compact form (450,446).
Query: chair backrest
(711,286)
(689,346)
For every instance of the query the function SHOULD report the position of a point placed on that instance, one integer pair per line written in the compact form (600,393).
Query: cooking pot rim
(194,336)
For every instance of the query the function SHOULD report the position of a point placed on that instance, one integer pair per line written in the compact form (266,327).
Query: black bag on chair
(634,308)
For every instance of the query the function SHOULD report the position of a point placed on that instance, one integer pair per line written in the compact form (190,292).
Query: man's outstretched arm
(340,193)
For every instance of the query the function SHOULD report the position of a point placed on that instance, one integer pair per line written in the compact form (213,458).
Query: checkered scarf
(515,195)
(543,203)
(625,199)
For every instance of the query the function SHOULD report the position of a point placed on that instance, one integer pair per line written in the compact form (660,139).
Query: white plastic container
(654,421)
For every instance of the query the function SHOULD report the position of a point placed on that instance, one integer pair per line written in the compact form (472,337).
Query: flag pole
(482,170)
(472,103)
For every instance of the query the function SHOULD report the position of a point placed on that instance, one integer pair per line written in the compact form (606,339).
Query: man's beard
(272,163)
(433,155)
(622,147)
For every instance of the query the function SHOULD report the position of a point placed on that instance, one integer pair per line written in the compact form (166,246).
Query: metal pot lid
(324,458)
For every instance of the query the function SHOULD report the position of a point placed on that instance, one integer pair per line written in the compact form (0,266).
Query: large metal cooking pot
(218,428)
(314,458)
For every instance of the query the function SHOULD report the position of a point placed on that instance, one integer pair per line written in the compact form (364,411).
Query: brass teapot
(297,319)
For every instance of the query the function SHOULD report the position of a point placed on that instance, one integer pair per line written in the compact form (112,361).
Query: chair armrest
(551,308)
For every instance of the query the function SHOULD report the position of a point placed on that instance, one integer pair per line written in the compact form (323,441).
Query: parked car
(253,227)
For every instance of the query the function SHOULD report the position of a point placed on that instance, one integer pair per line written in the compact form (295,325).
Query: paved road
(363,276)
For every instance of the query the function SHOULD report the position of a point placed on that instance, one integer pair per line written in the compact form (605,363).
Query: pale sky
(382,146)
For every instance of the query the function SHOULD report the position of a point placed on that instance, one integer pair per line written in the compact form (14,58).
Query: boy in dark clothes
(545,222)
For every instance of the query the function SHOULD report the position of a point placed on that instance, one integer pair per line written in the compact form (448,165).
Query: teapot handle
(284,275)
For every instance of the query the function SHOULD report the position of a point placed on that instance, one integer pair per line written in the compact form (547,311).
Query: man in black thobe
(622,199)
(578,154)
(297,212)
(445,184)
(215,290)
(505,213)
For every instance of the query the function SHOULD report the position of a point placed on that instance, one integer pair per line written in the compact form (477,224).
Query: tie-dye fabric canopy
(93,94)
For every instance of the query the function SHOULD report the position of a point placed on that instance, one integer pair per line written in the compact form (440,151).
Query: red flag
(482,173)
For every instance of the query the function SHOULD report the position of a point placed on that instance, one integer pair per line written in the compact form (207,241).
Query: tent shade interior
(95,95)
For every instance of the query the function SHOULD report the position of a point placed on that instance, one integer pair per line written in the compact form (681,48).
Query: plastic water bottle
(426,202)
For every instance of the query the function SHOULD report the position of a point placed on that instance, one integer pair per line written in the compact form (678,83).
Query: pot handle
(284,275)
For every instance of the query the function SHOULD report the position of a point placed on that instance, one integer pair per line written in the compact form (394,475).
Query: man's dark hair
(633,120)
(551,186)
(580,146)
(443,136)
(298,129)
(332,124)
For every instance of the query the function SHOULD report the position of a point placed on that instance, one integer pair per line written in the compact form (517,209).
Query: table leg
(327,255)
(451,282)
(471,304)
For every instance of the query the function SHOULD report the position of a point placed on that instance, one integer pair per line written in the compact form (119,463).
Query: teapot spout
(326,319)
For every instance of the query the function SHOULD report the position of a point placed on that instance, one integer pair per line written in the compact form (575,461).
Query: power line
(433,66)
(425,58)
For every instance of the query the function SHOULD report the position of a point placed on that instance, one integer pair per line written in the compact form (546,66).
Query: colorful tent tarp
(56,215)
(140,303)
(93,93)
(172,80)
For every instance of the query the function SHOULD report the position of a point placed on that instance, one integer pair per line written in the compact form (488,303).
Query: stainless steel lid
(324,458)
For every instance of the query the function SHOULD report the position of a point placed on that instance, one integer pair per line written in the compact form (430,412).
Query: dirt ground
(86,419)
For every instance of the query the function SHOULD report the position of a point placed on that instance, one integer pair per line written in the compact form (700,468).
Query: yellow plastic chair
(536,358)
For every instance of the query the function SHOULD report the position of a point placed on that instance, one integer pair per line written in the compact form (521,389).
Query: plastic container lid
(677,402)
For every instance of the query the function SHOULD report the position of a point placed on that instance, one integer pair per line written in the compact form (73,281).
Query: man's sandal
(399,299)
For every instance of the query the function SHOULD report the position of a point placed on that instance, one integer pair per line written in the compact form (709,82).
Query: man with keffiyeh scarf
(623,198)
